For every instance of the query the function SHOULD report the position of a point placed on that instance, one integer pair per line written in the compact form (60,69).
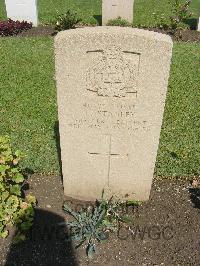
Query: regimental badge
(115,75)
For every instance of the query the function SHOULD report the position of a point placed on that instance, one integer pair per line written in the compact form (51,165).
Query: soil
(181,35)
(38,31)
(165,230)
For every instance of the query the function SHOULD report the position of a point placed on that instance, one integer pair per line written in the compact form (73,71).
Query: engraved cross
(110,155)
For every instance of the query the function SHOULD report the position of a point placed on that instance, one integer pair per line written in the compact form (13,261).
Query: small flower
(15,161)
(2,161)
(24,205)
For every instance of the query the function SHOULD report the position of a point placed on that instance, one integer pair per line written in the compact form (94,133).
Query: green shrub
(179,14)
(15,210)
(119,22)
(67,21)
(161,21)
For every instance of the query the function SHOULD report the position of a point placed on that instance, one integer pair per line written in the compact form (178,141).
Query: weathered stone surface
(112,9)
(22,10)
(111,85)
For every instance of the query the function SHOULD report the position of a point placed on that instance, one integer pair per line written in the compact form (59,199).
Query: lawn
(144,9)
(28,99)
(89,9)
(29,111)
(2,10)
(179,152)
(28,95)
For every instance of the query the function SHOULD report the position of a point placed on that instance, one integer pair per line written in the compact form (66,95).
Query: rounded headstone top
(115,30)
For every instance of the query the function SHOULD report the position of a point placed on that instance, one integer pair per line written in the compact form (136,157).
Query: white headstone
(22,10)
(198,27)
(112,85)
(112,9)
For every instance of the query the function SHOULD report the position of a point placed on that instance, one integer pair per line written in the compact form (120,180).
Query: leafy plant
(11,27)
(67,21)
(94,223)
(15,210)
(119,22)
(162,22)
(179,14)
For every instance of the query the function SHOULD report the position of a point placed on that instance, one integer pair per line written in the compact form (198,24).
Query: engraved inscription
(114,3)
(21,2)
(114,75)
(101,116)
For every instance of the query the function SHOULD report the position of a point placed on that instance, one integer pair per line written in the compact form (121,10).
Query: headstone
(22,10)
(111,85)
(198,27)
(112,9)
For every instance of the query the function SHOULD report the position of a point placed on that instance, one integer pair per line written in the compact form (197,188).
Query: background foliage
(15,208)
(91,9)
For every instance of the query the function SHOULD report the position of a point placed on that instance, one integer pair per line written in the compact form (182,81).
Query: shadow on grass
(195,197)
(57,139)
(47,243)
(192,22)
(98,19)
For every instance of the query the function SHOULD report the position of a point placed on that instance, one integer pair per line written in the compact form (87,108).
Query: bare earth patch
(181,35)
(165,230)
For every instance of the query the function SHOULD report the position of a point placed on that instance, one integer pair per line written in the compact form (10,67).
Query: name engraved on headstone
(102,116)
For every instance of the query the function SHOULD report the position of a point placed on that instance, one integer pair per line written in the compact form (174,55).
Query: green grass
(144,9)
(195,8)
(28,99)
(28,96)
(48,10)
(179,152)
(29,112)
(86,8)
(2,10)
